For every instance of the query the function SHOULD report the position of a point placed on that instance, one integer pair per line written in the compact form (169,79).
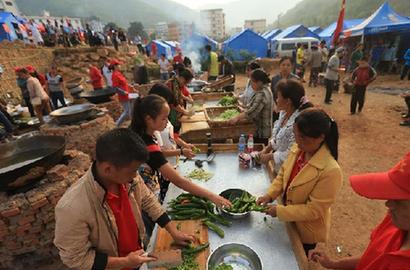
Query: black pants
(308,247)
(30,106)
(57,96)
(329,84)
(357,98)
(407,100)
(314,76)
(405,72)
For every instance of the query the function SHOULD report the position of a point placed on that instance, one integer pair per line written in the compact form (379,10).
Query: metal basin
(73,113)
(239,256)
(231,194)
(98,96)
(18,157)
(197,85)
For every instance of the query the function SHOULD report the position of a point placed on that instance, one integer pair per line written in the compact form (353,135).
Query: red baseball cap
(17,69)
(115,62)
(391,185)
(30,69)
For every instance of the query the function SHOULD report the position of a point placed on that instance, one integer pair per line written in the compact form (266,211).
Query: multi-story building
(234,30)
(258,26)
(213,23)
(161,30)
(174,31)
(9,6)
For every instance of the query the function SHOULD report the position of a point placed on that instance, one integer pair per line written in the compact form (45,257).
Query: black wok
(18,157)
(98,96)
(71,114)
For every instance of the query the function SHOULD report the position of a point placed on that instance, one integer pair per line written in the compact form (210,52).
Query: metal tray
(239,256)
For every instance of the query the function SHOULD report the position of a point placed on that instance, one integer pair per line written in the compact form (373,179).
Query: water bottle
(250,143)
(242,143)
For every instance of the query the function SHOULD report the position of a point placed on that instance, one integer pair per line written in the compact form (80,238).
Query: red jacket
(363,75)
(119,81)
(96,77)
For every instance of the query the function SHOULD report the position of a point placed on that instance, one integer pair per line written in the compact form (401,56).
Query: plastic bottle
(250,143)
(242,143)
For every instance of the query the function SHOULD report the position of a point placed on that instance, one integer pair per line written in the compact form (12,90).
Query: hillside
(325,12)
(121,12)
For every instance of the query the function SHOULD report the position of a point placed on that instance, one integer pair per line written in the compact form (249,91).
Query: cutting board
(194,227)
(197,117)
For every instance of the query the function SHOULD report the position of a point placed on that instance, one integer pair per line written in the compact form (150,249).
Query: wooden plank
(200,96)
(164,240)
(197,117)
(297,246)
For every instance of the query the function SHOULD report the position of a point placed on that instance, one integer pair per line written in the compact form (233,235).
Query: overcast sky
(194,4)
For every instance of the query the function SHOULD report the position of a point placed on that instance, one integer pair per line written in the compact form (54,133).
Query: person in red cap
(96,78)
(119,82)
(33,72)
(389,246)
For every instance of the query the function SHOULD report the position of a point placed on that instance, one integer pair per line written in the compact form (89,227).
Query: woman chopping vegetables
(259,109)
(309,179)
(151,114)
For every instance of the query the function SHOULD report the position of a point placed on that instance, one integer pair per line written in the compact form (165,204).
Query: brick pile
(81,136)
(27,219)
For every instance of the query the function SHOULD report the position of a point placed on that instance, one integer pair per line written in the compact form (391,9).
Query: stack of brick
(81,136)
(27,219)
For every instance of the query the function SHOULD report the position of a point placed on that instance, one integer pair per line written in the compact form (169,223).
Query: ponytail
(314,122)
(150,105)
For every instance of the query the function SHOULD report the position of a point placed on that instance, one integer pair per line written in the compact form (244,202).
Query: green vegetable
(227,115)
(189,256)
(214,227)
(196,150)
(179,226)
(245,203)
(223,266)
(227,101)
(200,175)
(194,250)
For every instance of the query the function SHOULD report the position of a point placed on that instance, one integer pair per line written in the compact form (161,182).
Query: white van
(285,46)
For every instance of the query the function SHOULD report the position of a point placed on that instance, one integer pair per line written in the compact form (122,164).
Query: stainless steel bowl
(239,256)
(231,194)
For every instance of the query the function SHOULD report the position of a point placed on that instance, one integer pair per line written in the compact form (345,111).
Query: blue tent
(327,33)
(296,31)
(7,24)
(315,29)
(173,45)
(271,34)
(383,20)
(162,48)
(245,40)
(197,42)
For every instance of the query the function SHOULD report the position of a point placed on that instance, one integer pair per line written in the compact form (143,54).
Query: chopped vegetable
(189,256)
(179,226)
(196,150)
(223,266)
(227,101)
(245,203)
(200,175)
(227,115)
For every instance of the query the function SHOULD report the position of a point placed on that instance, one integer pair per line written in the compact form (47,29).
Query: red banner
(339,26)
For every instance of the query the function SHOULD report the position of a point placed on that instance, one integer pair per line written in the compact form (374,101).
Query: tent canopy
(271,34)
(7,29)
(173,45)
(162,48)
(327,33)
(296,31)
(383,20)
(315,29)
(247,40)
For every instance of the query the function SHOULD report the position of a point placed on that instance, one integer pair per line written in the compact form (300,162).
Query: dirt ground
(369,142)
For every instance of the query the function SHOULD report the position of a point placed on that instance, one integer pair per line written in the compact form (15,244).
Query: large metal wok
(72,114)
(98,96)
(18,157)
(197,85)
(75,87)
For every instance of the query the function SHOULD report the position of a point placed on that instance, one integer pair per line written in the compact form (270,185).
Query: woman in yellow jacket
(309,179)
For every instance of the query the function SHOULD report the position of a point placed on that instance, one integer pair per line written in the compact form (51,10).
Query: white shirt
(108,75)
(163,65)
(166,140)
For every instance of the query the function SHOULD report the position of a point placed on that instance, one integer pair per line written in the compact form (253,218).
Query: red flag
(339,26)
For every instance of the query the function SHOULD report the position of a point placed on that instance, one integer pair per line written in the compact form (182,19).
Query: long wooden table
(277,243)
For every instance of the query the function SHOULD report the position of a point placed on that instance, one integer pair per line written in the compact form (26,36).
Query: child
(362,76)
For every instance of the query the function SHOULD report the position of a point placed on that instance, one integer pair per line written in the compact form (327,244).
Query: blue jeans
(164,76)
(127,113)
(56,97)
(7,125)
